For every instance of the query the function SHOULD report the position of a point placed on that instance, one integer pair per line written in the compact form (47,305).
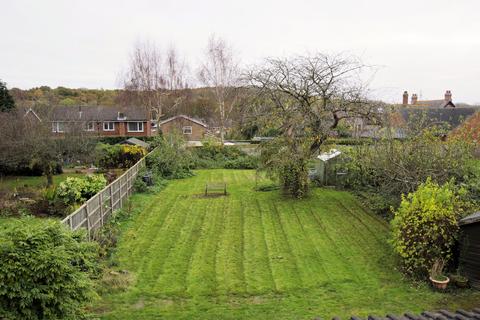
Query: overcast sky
(423,46)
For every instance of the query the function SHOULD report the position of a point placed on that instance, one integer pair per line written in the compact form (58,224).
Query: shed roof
(473,218)
(333,153)
(199,122)
(137,142)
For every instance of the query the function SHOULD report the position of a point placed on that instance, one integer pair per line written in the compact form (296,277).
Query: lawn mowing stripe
(352,240)
(172,279)
(138,238)
(334,262)
(306,258)
(163,240)
(316,262)
(230,273)
(283,263)
(343,249)
(362,217)
(258,272)
(201,279)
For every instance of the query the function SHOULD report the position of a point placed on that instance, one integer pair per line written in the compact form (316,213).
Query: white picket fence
(93,214)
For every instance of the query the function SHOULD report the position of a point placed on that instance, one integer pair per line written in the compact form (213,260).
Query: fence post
(100,203)
(88,220)
(111,199)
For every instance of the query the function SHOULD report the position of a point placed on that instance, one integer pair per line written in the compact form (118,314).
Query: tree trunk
(49,173)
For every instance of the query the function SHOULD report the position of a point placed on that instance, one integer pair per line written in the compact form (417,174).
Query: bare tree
(155,79)
(305,98)
(220,72)
(28,142)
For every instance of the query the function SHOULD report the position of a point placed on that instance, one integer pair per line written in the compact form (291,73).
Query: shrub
(246,162)
(214,155)
(118,156)
(391,168)
(93,183)
(75,190)
(171,159)
(46,270)
(425,226)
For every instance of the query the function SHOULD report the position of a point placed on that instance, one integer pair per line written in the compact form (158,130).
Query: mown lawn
(255,255)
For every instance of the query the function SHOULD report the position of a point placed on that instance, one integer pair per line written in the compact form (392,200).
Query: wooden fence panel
(94,213)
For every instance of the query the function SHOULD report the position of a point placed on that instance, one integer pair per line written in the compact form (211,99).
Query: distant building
(99,120)
(446,102)
(191,128)
(439,112)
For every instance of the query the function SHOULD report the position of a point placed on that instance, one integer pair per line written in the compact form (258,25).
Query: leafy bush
(425,226)
(213,155)
(171,159)
(139,185)
(118,156)
(246,162)
(46,270)
(391,168)
(75,190)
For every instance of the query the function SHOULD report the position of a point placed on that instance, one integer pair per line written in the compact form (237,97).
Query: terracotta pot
(440,284)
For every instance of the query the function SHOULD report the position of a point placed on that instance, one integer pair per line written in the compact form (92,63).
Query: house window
(109,126)
(121,116)
(187,130)
(135,127)
(90,126)
(58,127)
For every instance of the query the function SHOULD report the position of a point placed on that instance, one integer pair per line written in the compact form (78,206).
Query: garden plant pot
(440,283)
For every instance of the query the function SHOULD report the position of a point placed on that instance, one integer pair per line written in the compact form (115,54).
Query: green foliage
(425,226)
(171,159)
(46,270)
(139,185)
(213,155)
(6,101)
(118,156)
(288,166)
(76,190)
(391,168)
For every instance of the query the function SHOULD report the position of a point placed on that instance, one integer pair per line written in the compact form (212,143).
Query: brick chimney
(414,98)
(448,95)
(405,97)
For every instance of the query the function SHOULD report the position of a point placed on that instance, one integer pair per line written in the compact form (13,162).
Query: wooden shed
(470,248)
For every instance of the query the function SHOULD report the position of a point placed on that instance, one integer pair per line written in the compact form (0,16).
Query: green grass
(12,182)
(256,255)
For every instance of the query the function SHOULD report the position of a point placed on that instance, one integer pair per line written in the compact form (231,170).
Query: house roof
(434,103)
(137,142)
(97,113)
(199,122)
(31,111)
(452,116)
(473,218)
(427,315)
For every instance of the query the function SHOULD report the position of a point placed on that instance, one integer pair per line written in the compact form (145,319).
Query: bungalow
(100,120)
(191,128)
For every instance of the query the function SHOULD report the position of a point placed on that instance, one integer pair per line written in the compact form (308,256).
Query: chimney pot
(405,97)
(414,98)
(448,95)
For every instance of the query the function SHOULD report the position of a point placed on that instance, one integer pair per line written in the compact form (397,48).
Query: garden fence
(95,212)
